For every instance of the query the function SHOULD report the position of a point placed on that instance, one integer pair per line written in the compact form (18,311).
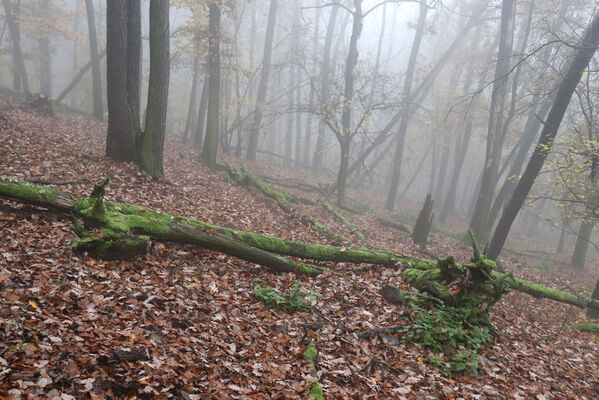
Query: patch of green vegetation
(362,206)
(297,298)
(588,327)
(316,392)
(447,331)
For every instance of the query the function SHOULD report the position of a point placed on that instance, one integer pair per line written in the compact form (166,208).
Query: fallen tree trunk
(243,176)
(475,286)
(124,226)
(444,278)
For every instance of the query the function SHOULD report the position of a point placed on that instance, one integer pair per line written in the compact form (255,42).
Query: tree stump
(424,222)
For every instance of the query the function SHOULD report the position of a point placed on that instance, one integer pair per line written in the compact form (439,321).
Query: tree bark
(325,87)
(345,136)
(406,94)
(15,33)
(45,59)
(198,138)
(582,56)
(59,99)
(119,141)
(152,147)
(125,218)
(264,76)
(192,109)
(95,61)
(210,147)
(479,224)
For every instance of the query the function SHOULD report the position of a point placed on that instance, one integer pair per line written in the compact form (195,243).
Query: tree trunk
(15,33)
(479,224)
(264,75)
(95,61)
(424,222)
(309,116)
(198,138)
(210,147)
(123,219)
(152,146)
(119,141)
(60,98)
(582,56)
(345,136)
(192,109)
(45,58)
(406,94)
(134,63)
(325,87)
(582,244)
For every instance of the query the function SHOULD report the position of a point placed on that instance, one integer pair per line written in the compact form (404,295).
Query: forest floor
(64,317)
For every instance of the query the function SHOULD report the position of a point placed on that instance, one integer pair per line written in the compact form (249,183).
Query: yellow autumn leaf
(32,304)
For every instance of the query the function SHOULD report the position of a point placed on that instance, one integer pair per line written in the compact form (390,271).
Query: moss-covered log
(443,277)
(477,286)
(126,228)
(311,357)
(244,177)
(354,230)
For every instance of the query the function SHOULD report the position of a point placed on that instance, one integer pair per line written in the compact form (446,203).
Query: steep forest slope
(182,322)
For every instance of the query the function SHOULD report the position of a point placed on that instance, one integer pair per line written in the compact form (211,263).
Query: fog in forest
(378,103)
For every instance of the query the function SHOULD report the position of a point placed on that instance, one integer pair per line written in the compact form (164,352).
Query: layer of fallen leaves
(181,322)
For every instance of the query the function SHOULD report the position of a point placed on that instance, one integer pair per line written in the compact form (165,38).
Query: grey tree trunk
(309,116)
(45,59)
(257,121)
(582,244)
(192,109)
(95,60)
(581,58)
(134,62)
(479,224)
(150,158)
(201,125)
(345,136)
(119,141)
(210,147)
(324,89)
(15,33)
(406,94)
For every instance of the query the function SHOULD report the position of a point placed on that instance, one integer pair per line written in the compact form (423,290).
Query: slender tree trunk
(297,37)
(69,88)
(324,90)
(582,56)
(95,60)
(403,126)
(201,125)
(119,142)
(479,224)
(15,33)
(155,126)
(309,117)
(45,58)
(345,136)
(582,244)
(210,148)
(291,85)
(255,129)
(75,57)
(192,109)
(16,38)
